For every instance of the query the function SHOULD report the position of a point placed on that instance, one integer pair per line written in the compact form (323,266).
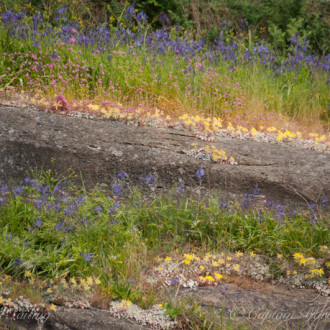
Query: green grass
(116,232)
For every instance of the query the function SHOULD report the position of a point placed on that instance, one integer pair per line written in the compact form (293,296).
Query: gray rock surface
(76,319)
(262,305)
(101,149)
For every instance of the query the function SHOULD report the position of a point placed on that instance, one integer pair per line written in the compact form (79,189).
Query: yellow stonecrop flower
(317,272)
(28,273)
(207,278)
(239,254)
(218,276)
(168,259)
(298,256)
(89,280)
(125,304)
(236,267)
(253,131)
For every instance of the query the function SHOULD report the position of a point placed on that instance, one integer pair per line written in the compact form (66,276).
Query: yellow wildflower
(53,308)
(28,273)
(317,272)
(239,254)
(125,304)
(202,267)
(186,261)
(279,256)
(218,276)
(160,268)
(236,267)
(168,259)
(252,254)
(209,278)
(90,280)
(298,256)
(254,131)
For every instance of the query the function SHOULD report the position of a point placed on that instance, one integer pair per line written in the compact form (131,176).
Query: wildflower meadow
(124,243)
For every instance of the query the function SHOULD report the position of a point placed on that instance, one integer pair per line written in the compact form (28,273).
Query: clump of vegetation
(61,57)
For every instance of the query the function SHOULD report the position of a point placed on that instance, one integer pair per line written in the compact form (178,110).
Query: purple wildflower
(117,189)
(68,211)
(87,256)
(98,209)
(18,190)
(122,175)
(3,189)
(17,262)
(38,223)
(150,178)
(200,173)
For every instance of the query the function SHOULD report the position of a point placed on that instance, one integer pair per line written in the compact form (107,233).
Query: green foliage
(267,19)
(82,237)
(172,311)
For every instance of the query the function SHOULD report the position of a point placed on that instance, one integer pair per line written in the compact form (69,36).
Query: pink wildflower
(62,100)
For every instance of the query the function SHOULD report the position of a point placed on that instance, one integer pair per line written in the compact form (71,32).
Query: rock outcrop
(101,149)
